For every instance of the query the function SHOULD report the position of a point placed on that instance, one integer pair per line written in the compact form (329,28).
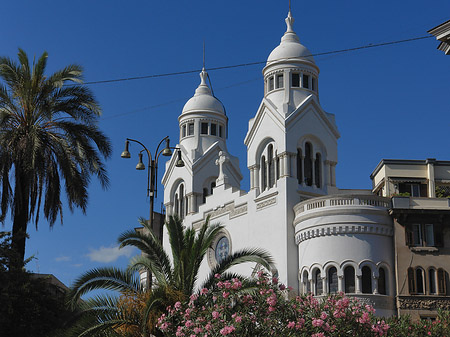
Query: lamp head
(126,153)
(140,165)
(167,151)
(180,162)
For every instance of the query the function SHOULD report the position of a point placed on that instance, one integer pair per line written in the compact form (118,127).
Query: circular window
(222,249)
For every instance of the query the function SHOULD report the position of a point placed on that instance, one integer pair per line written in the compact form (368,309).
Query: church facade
(323,240)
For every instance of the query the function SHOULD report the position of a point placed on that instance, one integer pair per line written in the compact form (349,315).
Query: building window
(204,128)
(271,165)
(308,164)
(271,84)
(220,131)
(205,194)
(382,289)
(313,84)
(213,129)
(442,286)
(305,81)
(420,286)
(332,280)
(413,189)
(190,129)
(318,170)
(183,131)
(280,83)
(318,283)
(306,286)
(432,281)
(366,280)
(278,167)
(213,184)
(349,280)
(181,201)
(295,80)
(425,235)
(177,205)
(299,166)
(411,281)
(263,174)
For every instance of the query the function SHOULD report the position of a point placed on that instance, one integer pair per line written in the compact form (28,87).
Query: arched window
(205,194)
(442,284)
(382,289)
(366,280)
(308,164)
(420,286)
(176,204)
(213,184)
(318,170)
(299,166)
(349,279)
(181,214)
(318,283)
(432,281)
(263,174)
(186,205)
(306,284)
(278,167)
(271,165)
(332,280)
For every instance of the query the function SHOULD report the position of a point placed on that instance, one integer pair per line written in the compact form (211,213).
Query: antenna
(204,53)
(289,5)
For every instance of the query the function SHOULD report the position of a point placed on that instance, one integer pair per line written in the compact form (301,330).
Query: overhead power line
(370,45)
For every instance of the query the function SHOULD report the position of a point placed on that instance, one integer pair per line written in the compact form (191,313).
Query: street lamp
(152,169)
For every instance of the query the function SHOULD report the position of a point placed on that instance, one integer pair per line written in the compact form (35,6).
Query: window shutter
(438,235)
(441,281)
(411,284)
(408,236)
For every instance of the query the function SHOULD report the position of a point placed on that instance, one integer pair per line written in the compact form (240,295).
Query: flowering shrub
(228,310)
(404,326)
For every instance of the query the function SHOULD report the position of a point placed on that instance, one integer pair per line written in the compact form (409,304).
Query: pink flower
(177,305)
(317,322)
(291,325)
(215,314)
(204,291)
(227,330)
(323,315)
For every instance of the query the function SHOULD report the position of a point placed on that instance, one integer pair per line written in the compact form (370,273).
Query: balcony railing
(344,200)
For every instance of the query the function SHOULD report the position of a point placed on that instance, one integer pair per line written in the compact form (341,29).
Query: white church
(323,240)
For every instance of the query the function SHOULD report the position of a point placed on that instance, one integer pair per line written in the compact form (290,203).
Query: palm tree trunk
(20,218)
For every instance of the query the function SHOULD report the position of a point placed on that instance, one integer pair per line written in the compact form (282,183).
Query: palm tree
(174,281)
(48,137)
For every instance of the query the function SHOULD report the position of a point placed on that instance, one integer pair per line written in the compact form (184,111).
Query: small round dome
(290,46)
(203,100)
(290,50)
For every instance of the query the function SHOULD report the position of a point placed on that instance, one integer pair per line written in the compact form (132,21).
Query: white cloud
(109,254)
(77,265)
(63,258)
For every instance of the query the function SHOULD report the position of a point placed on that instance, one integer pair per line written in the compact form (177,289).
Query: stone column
(358,284)
(325,289)
(341,283)
(192,204)
(375,285)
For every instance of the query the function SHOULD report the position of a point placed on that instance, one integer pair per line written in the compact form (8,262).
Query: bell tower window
(280,83)
(271,83)
(183,131)
(220,131)
(305,81)
(295,80)
(318,170)
(271,165)
(190,129)
(204,128)
(213,129)
(308,164)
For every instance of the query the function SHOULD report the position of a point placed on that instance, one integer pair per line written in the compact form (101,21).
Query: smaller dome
(290,46)
(203,100)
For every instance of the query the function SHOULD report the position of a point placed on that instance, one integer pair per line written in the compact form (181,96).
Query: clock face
(222,249)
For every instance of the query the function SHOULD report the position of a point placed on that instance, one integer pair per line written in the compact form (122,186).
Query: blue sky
(389,102)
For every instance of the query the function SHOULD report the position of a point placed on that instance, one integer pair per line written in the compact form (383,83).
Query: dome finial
(289,21)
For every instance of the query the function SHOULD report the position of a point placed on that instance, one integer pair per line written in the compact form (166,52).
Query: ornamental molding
(424,303)
(231,209)
(331,230)
(266,203)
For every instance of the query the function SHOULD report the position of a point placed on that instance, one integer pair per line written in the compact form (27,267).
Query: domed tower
(203,124)
(291,137)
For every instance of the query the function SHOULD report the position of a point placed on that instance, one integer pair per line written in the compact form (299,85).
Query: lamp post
(152,169)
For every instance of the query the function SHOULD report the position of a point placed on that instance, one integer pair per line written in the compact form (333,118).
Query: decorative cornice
(231,209)
(266,203)
(334,230)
